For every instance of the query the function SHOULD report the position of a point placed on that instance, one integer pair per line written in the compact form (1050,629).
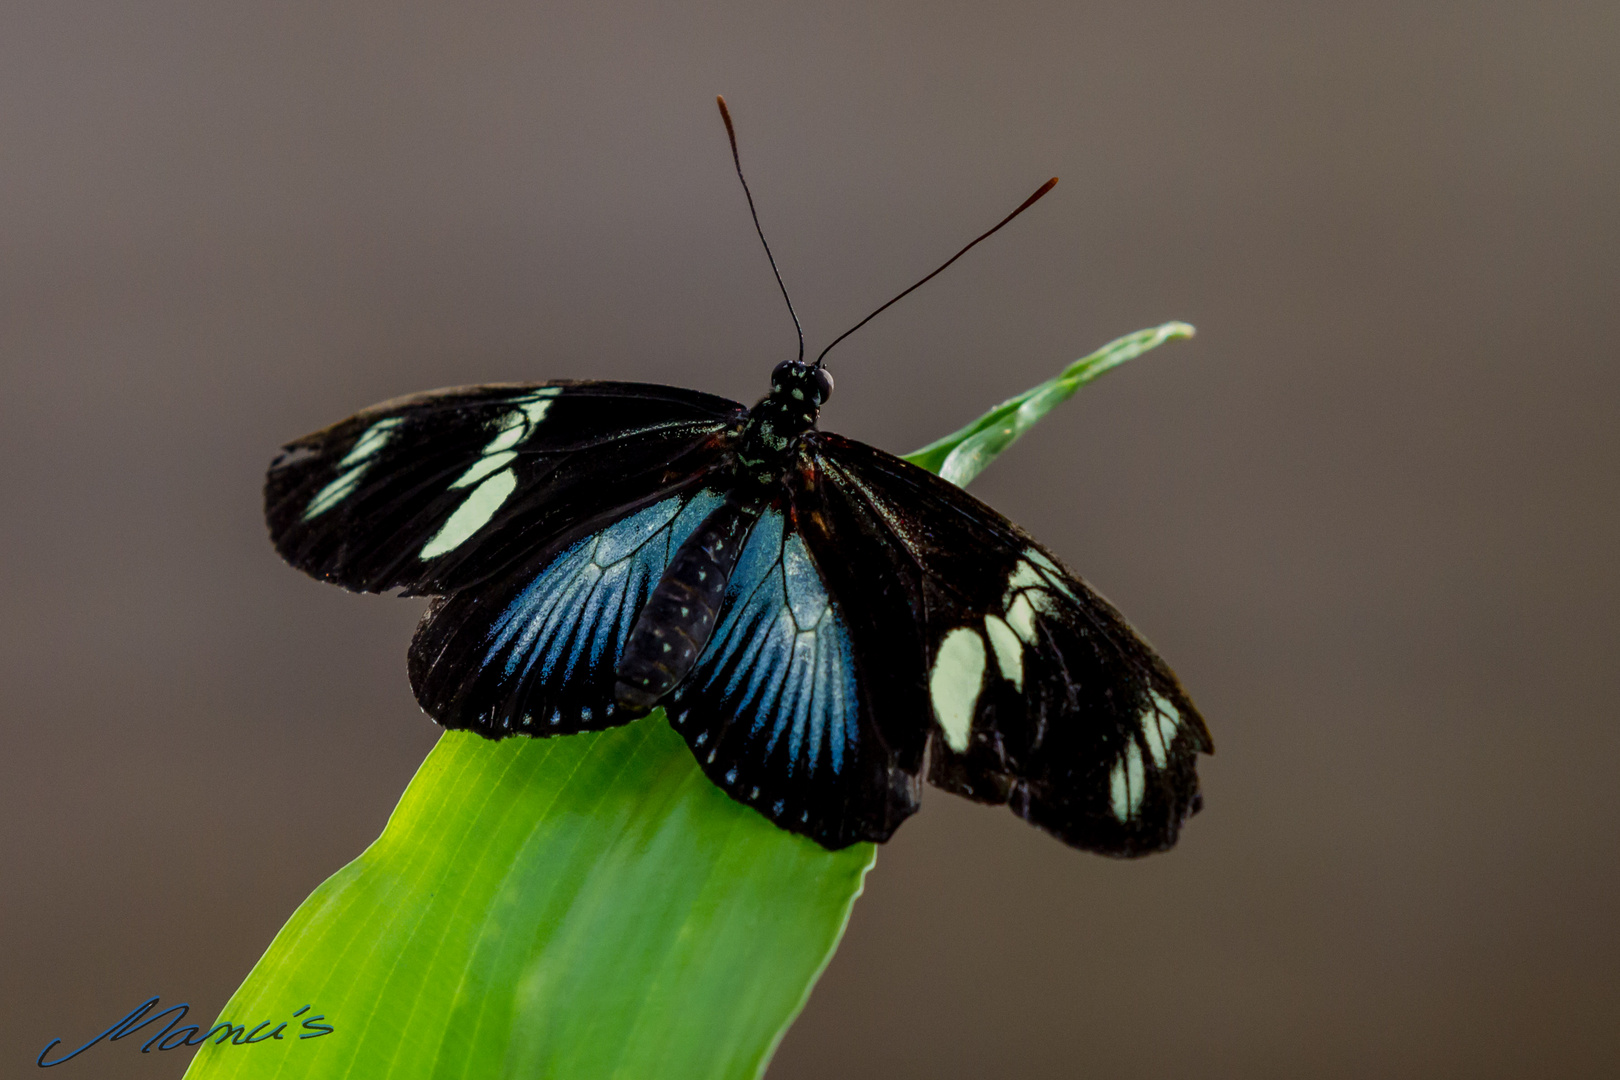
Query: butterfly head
(794,380)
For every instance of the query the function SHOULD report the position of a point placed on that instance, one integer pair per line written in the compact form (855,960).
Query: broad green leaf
(962,455)
(579,908)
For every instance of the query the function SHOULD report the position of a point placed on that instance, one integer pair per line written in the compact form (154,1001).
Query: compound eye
(821,381)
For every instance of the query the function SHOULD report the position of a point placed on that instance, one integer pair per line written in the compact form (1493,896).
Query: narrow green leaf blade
(580,907)
(962,455)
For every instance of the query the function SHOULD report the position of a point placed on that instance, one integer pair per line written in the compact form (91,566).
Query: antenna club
(1029,202)
(725,114)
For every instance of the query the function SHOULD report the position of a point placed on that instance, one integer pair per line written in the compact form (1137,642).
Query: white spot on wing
(1035,556)
(1159,722)
(1008,649)
(513,426)
(334,493)
(1041,600)
(1157,750)
(473,514)
(1127,783)
(535,410)
(1119,796)
(354,463)
(1023,576)
(511,429)
(375,438)
(483,467)
(1054,576)
(1032,588)
(1021,617)
(955,682)
(1135,774)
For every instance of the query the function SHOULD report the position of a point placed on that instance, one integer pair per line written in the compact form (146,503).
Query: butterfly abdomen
(679,616)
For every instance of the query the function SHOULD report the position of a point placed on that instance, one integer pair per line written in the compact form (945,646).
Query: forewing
(777,710)
(534,653)
(435,492)
(1034,690)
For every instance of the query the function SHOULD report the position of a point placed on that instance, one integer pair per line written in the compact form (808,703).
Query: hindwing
(1030,688)
(780,708)
(534,652)
(438,491)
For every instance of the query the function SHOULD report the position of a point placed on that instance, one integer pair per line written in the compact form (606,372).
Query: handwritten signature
(171,1037)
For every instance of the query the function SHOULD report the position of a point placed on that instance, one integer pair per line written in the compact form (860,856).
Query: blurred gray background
(1369,513)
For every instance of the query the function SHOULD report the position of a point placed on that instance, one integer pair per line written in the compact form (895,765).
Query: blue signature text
(171,1037)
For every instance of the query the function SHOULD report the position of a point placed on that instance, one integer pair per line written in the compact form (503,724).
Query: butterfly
(824,623)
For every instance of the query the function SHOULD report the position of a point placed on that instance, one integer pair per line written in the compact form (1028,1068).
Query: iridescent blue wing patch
(439,491)
(1026,687)
(775,710)
(534,653)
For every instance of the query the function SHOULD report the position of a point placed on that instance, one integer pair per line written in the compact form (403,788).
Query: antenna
(1025,205)
(731,133)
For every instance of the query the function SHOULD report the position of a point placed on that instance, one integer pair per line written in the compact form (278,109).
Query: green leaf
(580,908)
(962,455)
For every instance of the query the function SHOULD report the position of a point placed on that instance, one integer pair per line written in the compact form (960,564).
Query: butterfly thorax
(770,436)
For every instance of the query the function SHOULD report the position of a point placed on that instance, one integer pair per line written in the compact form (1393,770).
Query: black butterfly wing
(876,614)
(533,653)
(436,492)
(781,709)
(1031,689)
